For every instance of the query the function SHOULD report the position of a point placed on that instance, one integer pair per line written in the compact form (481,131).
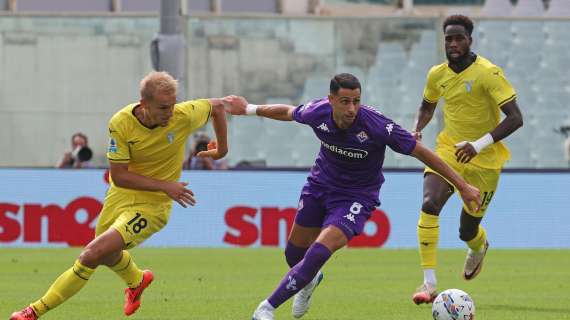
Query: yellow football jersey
(473,99)
(156,153)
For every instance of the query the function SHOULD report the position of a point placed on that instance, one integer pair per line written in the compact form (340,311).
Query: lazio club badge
(112,146)
(170,137)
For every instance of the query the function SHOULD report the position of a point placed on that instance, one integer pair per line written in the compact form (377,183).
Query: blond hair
(155,82)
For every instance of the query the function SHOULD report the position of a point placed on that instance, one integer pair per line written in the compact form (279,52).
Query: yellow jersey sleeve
(118,149)
(197,112)
(498,87)
(432,91)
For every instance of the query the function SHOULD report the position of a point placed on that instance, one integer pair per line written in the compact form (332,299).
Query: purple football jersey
(350,160)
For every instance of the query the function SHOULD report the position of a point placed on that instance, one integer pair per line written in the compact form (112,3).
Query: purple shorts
(319,209)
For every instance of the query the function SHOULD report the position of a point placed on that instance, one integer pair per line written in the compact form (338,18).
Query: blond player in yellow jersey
(146,152)
(475,91)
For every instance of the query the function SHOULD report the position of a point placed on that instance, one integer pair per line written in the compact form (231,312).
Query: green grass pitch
(227,284)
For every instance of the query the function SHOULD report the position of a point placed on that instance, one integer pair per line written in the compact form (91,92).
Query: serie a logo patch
(112,145)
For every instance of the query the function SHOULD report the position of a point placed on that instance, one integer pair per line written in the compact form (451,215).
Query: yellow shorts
(136,222)
(486,180)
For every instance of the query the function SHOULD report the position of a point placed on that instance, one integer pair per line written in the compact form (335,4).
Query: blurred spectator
(567,149)
(201,140)
(565,130)
(79,155)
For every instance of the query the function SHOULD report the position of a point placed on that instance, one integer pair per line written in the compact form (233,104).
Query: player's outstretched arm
(470,195)
(219,148)
(124,178)
(237,105)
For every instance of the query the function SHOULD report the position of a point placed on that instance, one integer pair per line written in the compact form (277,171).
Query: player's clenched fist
(235,105)
(471,197)
(213,151)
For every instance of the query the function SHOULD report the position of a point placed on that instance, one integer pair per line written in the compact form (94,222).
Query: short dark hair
(461,20)
(81,135)
(344,80)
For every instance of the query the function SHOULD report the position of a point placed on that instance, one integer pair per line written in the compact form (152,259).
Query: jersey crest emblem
(362,136)
(170,137)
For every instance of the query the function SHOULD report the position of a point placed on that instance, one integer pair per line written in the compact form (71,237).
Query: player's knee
(91,257)
(431,205)
(467,233)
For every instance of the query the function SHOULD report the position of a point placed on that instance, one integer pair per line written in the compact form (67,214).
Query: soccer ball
(453,304)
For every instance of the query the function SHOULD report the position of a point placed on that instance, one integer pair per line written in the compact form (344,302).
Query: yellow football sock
(428,236)
(476,244)
(63,288)
(127,269)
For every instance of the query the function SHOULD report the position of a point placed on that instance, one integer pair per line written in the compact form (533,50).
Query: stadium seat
(414,78)
(499,57)
(526,96)
(265,6)
(379,87)
(495,41)
(548,151)
(316,86)
(304,147)
(495,30)
(154,6)
(422,58)
(391,56)
(354,70)
(558,8)
(65,5)
(525,30)
(519,147)
(244,136)
(528,8)
(555,31)
(198,5)
(554,103)
(277,140)
(140,5)
(526,56)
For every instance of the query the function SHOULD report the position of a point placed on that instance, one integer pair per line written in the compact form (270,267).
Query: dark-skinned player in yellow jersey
(475,92)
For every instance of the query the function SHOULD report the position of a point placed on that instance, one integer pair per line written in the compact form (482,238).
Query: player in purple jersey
(343,187)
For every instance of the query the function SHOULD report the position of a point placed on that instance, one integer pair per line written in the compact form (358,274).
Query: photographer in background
(79,155)
(200,143)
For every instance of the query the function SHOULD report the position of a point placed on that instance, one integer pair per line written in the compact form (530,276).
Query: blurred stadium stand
(493,8)
(558,8)
(49,91)
(528,8)
(153,6)
(64,5)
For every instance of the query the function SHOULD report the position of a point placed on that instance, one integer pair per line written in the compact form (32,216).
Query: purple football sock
(294,254)
(301,274)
